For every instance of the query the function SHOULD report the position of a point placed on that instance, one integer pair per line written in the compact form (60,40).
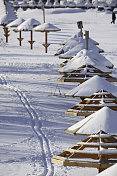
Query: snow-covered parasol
(46,27)
(92,85)
(104,119)
(15,24)
(92,104)
(28,25)
(97,151)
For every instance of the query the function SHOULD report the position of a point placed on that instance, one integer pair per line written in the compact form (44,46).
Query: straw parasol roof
(46,27)
(16,22)
(92,104)
(87,57)
(69,50)
(7,18)
(97,151)
(28,25)
(104,119)
(84,73)
(92,85)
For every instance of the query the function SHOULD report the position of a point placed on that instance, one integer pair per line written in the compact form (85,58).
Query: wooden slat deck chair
(97,151)
(92,104)
(84,73)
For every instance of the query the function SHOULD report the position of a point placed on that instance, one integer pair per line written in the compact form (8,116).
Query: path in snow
(36,125)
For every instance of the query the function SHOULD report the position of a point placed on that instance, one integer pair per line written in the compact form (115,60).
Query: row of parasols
(98,104)
(31,25)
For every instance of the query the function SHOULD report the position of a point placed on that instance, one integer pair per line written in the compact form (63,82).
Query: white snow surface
(32,120)
(91,86)
(110,171)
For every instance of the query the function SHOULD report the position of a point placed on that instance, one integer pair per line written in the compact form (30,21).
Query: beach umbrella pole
(86,38)
(31,40)
(20,38)
(46,43)
(6,33)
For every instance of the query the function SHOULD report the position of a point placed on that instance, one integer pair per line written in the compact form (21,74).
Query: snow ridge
(36,125)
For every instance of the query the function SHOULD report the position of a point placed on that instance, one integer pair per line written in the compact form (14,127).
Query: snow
(16,22)
(109,171)
(46,27)
(105,119)
(28,25)
(87,57)
(32,120)
(91,86)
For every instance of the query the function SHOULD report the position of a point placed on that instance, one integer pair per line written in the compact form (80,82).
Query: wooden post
(43,9)
(46,43)
(31,40)
(20,38)
(6,33)
(101,169)
(86,38)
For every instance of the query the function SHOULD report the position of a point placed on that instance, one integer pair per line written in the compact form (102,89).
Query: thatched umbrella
(97,151)
(6,19)
(28,25)
(46,27)
(104,119)
(15,24)
(92,85)
(84,73)
(92,104)
(87,57)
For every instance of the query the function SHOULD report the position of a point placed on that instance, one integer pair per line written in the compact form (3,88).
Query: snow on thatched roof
(105,119)
(28,25)
(91,86)
(73,45)
(46,27)
(111,171)
(16,22)
(87,57)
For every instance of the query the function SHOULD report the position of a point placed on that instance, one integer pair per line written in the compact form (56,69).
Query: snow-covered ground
(32,118)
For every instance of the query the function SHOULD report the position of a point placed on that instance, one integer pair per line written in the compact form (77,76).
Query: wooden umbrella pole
(31,40)
(20,38)
(46,42)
